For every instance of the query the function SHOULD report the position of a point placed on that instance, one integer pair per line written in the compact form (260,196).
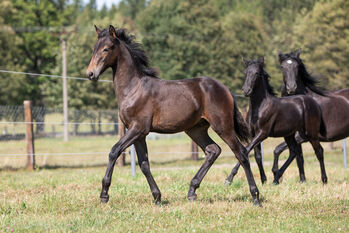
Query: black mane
(266,77)
(308,80)
(135,49)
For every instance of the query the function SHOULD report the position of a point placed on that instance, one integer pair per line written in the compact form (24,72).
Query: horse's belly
(175,120)
(286,127)
(336,120)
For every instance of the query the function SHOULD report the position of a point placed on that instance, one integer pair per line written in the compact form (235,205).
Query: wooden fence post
(29,135)
(121,127)
(194,151)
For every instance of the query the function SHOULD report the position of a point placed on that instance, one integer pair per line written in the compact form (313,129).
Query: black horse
(334,104)
(280,117)
(149,104)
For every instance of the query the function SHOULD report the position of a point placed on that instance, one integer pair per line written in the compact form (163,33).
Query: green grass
(64,200)
(67,199)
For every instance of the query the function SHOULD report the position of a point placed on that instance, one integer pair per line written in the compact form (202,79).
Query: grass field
(65,197)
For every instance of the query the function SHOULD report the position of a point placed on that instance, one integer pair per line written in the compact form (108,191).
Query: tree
(243,36)
(178,36)
(323,35)
(131,8)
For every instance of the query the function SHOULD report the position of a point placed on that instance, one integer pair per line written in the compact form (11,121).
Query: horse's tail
(240,125)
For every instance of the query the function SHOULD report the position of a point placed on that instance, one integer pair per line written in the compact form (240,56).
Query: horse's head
(290,67)
(104,53)
(253,74)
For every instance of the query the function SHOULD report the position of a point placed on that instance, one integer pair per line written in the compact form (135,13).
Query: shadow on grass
(237,198)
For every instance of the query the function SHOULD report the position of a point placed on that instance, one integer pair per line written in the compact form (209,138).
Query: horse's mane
(270,89)
(307,79)
(136,51)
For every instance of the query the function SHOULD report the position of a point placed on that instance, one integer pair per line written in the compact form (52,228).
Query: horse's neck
(258,95)
(125,75)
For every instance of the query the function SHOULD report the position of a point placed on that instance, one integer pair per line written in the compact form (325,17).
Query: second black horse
(280,117)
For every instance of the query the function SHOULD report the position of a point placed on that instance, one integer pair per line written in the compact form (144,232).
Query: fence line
(107,152)
(57,123)
(51,76)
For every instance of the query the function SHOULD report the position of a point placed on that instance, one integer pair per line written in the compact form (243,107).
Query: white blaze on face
(289,61)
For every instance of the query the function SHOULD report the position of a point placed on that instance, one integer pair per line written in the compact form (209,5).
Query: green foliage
(326,47)
(179,36)
(183,39)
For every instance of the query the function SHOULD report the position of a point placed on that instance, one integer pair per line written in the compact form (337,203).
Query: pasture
(62,195)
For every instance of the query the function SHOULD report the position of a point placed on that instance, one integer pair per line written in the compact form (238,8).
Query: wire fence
(91,133)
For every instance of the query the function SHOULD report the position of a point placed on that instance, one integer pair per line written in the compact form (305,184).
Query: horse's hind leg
(258,157)
(295,150)
(212,150)
(300,164)
(300,138)
(278,150)
(319,151)
(142,155)
(241,154)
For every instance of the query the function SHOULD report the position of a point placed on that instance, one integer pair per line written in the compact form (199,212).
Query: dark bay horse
(334,104)
(280,117)
(149,104)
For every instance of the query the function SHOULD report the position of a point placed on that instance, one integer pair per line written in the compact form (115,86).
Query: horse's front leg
(128,139)
(260,136)
(258,157)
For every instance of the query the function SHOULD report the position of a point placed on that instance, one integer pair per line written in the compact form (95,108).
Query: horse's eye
(106,50)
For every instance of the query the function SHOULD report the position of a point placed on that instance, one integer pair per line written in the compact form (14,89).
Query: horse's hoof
(256,202)
(104,199)
(324,180)
(275,182)
(264,181)
(302,181)
(227,182)
(192,197)
(157,202)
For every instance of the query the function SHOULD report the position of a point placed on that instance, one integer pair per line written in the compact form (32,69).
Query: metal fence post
(29,134)
(133,160)
(262,152)
(345,153)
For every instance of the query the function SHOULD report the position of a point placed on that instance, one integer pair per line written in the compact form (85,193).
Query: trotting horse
(334,104)
(149,104)
(280,117)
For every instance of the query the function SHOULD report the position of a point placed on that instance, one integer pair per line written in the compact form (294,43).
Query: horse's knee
(212,152)
(145,167)
(278,150)
(114,154)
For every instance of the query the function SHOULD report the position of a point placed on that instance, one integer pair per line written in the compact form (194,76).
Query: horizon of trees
(183,39)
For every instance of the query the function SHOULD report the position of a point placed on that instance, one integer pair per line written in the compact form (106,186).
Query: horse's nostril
(89,74)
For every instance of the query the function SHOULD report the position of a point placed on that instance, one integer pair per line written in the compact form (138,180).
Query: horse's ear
(280,55)
(112,31)
(245,61)
(298,52)
(261,60)
(97,30)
